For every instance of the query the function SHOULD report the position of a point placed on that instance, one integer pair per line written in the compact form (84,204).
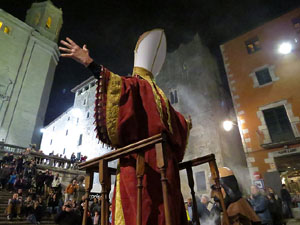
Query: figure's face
(189,201)
(15,196)
(204,200)
(254,190)
(74,182)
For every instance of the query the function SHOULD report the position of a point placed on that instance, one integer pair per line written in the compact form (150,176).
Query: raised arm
(73,51)
(81,55)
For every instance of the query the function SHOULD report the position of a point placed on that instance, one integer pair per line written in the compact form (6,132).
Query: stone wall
(192,72)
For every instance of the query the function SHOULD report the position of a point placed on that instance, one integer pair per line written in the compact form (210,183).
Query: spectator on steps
(71,190)
(14,207)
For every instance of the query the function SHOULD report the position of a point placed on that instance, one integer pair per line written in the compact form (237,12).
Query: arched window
(37,19)
(6,30)
(49,21)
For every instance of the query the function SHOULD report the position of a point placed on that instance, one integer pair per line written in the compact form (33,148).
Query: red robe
(129,109)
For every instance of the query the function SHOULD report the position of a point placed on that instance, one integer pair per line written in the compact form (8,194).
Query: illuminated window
(1,23)
(37,19)
(252,45)
(6,30)
(49,21)
(296,24)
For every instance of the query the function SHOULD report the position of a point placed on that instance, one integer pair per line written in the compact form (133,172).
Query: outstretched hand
(73,51)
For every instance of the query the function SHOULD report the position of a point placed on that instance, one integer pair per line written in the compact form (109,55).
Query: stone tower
(46,19)
(28,58)
(190,78)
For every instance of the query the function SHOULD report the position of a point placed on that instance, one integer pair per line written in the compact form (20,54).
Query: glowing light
(285,48)
(76,112)
(42,130)
(227,125)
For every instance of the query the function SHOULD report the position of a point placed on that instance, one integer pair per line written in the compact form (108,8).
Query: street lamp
(228,125)
(285,48)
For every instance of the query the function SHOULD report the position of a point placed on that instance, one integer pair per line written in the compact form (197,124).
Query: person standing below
(286,202)
(190,210)
(260,205)
(56,183)
(203,212)
(275,207)
(73,159)
(71,191)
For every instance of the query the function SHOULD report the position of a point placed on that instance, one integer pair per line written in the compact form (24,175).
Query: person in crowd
(286,202)
(73,159)
(96,218)
(40,179)
(19,182)
(27,206)
(14,207)
(189,207)
(68,215)
(38,211)
(275,207)
(4,175)
(95,206)
(260,205)
(19,167)
(71,190)
(48,182)
(56,183)
(110,214)
(52,207)
(11,181)
(203,212)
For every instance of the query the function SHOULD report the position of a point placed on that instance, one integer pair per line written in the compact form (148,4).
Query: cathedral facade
(28,58)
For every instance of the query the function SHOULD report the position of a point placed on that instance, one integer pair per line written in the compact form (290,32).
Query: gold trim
(148,76)
(119,214)
(167,106)
(112,107)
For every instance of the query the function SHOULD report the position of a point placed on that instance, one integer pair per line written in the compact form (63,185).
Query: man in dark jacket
(286,202)
(4,175)
(68,216)
(260,205)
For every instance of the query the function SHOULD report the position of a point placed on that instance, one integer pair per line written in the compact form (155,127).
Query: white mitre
(150,51)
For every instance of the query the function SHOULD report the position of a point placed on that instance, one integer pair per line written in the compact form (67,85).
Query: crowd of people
(37,194)
(269,207)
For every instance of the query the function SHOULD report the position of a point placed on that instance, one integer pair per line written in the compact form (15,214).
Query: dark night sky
(111,28)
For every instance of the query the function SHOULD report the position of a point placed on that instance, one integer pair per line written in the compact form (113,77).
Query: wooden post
(189,172)
(140,170)
(215,176)
(162,165)
(88,186)
(103,172)
(108,188)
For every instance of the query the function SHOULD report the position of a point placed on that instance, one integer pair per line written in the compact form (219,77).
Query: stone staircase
(4,196)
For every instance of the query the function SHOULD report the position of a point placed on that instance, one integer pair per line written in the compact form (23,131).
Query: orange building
(264,80)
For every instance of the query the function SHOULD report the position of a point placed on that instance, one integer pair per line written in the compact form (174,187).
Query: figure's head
(189,201)
(15,196)
(254,190)
(150,51)
(204,199)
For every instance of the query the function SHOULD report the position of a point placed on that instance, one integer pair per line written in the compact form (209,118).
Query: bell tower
(46,19)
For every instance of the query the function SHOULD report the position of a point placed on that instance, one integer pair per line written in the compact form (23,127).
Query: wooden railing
(100,164)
